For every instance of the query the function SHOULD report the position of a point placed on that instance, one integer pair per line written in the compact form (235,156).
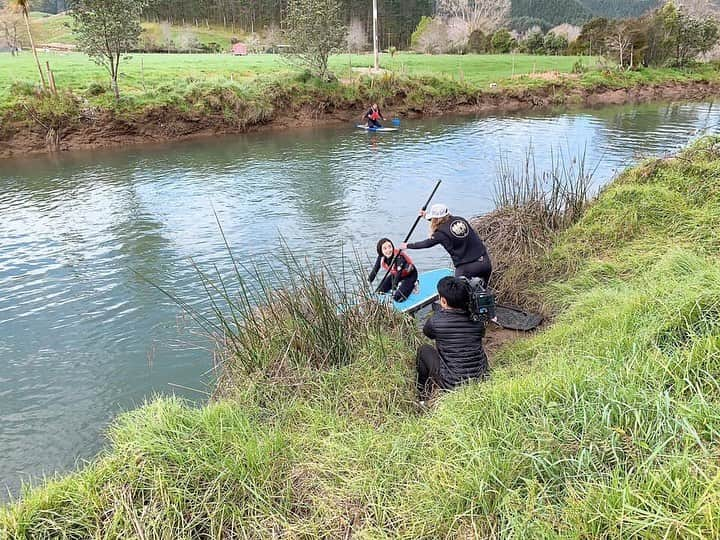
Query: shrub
(478,42)
(95,89)
(502,42)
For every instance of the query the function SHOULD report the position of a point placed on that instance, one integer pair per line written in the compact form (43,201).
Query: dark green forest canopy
(554,12)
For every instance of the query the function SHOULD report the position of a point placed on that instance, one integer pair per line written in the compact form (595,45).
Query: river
(84,336)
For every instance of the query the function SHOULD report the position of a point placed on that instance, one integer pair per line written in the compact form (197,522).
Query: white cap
(437,211)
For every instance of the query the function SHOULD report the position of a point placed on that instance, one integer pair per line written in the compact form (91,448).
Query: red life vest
(375,115)
(406,271)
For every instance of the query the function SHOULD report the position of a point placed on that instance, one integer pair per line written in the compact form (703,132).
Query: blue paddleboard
(426,291)
(362,126)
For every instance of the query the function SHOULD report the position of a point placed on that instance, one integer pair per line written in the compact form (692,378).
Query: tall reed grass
(531,207)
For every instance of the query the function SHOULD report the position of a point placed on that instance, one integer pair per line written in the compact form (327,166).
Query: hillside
(554,12)
(618,8)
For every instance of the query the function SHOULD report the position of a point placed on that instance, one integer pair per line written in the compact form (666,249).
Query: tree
(485,15)
(619,43)
(554,44)
(458,34)
(535,43)
(314,29)
(478,42)
(434,37)
(105,29)
(357,39)
(593,36)
(694,37)
(23,6)
(674,36)
(502,42)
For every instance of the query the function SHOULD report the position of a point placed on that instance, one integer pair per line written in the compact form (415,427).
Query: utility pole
(376,53)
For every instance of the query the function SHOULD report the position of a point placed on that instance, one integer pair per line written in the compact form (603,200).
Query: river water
(83,337)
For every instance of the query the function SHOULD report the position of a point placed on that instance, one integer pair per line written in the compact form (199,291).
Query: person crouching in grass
(459,356)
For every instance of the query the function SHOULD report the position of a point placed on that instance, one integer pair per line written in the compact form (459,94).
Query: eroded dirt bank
(103,129)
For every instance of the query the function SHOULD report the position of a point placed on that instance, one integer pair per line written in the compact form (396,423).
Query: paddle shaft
(412,230)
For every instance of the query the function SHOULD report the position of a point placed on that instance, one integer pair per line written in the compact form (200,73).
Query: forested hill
(619,8)
(554,12)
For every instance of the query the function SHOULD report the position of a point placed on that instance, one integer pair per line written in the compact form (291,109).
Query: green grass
(76,71)
(605,425)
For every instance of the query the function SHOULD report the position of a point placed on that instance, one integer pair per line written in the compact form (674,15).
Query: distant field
(76,71)
(58,29)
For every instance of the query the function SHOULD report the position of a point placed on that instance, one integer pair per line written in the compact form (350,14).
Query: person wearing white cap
(459,239)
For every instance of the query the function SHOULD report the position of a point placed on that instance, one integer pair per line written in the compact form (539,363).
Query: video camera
(481,305)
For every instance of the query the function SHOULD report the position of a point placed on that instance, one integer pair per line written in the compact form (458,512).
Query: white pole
(375,37)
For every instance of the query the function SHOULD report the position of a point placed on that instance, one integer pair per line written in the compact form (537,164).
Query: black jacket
(458,238)
(459,342)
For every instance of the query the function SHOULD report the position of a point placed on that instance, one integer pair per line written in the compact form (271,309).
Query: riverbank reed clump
(604,425)
(294,320)
(531,207)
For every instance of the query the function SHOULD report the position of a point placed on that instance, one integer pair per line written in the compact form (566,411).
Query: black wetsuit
(464,245)
(402,277)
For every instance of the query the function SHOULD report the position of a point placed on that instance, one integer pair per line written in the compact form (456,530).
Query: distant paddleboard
(362,126)
(425,293)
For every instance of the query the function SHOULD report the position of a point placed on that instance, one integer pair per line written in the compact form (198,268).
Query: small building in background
(239,49)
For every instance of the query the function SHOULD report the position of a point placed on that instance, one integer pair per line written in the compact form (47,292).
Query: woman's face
(387,249)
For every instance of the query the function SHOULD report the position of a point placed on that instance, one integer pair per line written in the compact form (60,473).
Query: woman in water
(403,274)
(373,117)
(459,239)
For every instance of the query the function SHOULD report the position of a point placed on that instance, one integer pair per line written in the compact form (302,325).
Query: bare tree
(484,15)
(434,39)
(357,39)
(458,34)
(698,8)
(188,41)
(273,37)
(166,35)
(569,31)
(620,43)
(9,23)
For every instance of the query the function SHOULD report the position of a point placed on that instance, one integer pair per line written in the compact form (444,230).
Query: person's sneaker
(416,288)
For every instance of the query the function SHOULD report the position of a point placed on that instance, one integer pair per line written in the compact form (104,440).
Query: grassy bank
(167,97)
(604,425)
(76,72)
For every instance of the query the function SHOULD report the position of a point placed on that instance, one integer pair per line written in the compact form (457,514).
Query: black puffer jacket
(459,342)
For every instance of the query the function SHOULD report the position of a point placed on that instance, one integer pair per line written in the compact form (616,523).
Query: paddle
(417,220)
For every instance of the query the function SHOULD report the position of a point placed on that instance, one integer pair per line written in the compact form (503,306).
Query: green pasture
(75,71)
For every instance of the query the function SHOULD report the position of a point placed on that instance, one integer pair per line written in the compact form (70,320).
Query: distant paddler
(460,240)
(373,116)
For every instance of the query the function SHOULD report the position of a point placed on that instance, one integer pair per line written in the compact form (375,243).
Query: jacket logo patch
(459,229)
